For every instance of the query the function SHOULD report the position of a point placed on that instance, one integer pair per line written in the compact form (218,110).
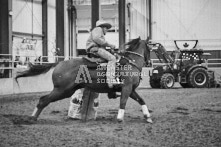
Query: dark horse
(68,76)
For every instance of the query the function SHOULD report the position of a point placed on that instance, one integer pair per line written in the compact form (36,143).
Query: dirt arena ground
(182,118)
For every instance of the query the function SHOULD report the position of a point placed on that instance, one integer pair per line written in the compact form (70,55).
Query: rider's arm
(98,37)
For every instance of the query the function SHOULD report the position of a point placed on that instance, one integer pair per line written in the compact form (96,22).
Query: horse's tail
(35,70)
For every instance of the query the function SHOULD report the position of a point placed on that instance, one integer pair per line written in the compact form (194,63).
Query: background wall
(51,28)
(27,28)
(186,20)
(171,20)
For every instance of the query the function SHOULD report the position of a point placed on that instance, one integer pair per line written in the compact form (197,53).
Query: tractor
(183,65)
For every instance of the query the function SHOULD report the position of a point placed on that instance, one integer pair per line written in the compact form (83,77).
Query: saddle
(93,61)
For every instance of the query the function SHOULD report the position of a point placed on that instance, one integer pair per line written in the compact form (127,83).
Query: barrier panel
(8,70)
(39,83)
(43,82)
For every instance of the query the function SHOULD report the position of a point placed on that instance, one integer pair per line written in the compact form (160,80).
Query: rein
(133,44)
(132,61)
(135,53)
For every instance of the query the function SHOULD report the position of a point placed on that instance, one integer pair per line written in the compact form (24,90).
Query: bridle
(131,61)
(135,53)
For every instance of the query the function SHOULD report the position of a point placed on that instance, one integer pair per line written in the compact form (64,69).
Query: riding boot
(110,74)
(111,80)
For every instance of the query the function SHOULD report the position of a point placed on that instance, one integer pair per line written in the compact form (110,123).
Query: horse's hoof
(33,118)
(120,120)
(149,120)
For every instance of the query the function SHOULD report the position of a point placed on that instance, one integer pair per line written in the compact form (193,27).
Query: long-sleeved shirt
(96,39)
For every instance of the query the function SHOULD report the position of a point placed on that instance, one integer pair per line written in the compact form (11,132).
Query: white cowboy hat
(102,23)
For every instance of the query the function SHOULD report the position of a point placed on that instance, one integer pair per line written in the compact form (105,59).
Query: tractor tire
(154,83)
(167,81)
(198,78)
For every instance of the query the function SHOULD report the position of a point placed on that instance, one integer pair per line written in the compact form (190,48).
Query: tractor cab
(192,57)
(189,55)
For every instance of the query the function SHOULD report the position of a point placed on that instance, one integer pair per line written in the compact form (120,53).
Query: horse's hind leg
(134,95)
(39,108)
(44,101)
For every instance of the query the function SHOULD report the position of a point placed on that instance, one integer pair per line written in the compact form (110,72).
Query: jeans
(110,74)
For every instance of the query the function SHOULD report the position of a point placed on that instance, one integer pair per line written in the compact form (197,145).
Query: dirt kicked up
(181,117)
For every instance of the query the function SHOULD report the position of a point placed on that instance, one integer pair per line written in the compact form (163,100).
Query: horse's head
(141,48)
(147,51)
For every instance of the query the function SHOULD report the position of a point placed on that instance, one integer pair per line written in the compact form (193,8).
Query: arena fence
(9,66)
(8,63)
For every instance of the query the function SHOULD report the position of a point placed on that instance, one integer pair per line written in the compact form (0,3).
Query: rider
(97,44)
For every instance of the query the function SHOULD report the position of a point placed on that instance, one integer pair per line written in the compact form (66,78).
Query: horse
(71,75)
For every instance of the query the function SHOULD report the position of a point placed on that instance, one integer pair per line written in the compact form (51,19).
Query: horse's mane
(133,44)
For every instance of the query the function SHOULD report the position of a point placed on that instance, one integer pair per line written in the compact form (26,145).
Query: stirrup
(116,81)
(113,82)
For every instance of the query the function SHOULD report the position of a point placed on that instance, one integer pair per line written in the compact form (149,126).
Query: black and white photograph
(110,73)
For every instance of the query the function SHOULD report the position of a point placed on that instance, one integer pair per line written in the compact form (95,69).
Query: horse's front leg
(134,95)
(125,93)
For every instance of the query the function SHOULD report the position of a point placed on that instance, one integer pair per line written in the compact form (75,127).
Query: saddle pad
(93,63)
(95,60)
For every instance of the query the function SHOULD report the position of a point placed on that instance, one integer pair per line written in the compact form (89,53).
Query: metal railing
(214,62)
(8,63)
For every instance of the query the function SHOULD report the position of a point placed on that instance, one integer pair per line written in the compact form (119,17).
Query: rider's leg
(110,67)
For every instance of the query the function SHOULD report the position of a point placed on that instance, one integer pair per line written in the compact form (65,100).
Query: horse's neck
(137,59)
